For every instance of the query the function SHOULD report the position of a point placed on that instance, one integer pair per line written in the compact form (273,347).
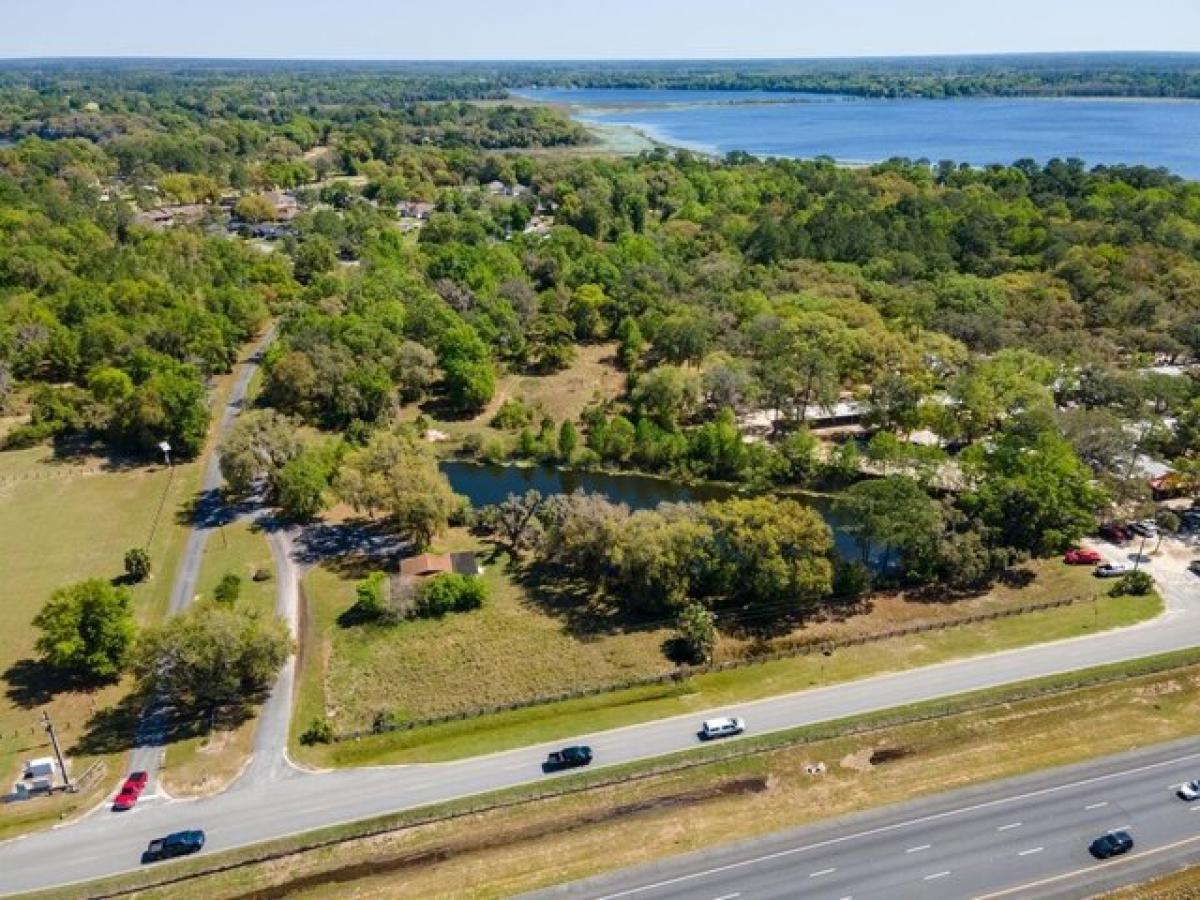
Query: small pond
(484,485)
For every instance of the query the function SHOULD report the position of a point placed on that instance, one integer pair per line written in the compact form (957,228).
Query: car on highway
(1114,533)
(1079,556)
(568,758)
(179,843)
(127,797)
(723,727)
(1189,790)
(1114,843)
(1111,570)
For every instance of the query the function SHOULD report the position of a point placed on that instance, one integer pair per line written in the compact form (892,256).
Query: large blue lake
(977,131)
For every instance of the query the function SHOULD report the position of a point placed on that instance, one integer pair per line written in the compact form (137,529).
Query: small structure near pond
(415,570)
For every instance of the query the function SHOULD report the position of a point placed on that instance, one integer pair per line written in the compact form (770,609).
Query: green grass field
(513,649)
(61,522)
(209,761)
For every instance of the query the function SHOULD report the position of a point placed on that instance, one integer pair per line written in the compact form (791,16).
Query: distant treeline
(387,84)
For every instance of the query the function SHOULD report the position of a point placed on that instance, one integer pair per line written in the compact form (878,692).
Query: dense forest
(1035,321)
(392,84)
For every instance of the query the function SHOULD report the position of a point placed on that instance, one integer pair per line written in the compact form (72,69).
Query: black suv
(568,758)
(181,843)
(1112,844)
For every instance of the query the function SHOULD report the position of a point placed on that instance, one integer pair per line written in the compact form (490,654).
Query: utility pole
(62,763)
(1137,560)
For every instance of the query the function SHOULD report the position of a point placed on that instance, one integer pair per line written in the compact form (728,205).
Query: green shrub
(228,589)
(137,564)
(511,415)
(369,603)
(448,593)
(493,451)
(1135,584)
(319,731)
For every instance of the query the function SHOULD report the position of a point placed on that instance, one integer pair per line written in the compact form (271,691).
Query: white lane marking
(1031,851)
(1194,808)
(732,896)
(937,875)
(1009,826)
(820,873)
(1116,861)
(884,829)
(917,849)
(1096,805)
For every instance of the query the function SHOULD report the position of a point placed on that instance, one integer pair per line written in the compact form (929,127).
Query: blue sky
(592,29)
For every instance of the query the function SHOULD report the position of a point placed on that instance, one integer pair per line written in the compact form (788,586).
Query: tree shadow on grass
(119,728)
(112,729)
(578,603)
(353,548)
(212,509)
(32,683)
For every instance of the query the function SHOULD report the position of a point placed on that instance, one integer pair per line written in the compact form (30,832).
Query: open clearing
(62,521)
(505,852)
(516,648)
(593,375)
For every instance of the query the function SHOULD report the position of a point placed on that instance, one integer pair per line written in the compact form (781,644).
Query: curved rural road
(104,844)
(211,513)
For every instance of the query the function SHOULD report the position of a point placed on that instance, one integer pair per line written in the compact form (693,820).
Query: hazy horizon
(620,30)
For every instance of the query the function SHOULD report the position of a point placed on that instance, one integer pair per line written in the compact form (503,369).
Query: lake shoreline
(855,132)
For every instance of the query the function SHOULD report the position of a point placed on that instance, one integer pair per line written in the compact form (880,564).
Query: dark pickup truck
(567,758)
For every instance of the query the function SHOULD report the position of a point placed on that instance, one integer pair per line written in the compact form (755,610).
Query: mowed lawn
(209,761)
(514,649)
(61,522)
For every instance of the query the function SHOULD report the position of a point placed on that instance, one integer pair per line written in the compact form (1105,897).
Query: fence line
(871,723)
(682,673)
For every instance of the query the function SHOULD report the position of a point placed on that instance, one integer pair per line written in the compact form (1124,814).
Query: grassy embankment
(210,760)
(64,519)
(517,647)
(1182,885)
(638,819)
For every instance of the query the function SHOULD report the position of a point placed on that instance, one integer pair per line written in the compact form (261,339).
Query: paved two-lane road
(1021,838)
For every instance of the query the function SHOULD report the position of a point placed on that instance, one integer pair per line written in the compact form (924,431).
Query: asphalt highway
(1021,838)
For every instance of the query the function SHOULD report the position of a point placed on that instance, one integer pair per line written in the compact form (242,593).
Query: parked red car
(1078,556)
(130,791)
(1115,533)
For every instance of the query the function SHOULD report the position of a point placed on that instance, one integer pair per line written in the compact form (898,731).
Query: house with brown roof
(402,587)
(426,565)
